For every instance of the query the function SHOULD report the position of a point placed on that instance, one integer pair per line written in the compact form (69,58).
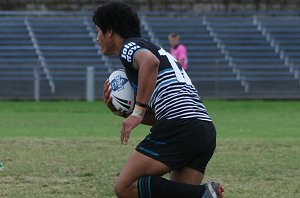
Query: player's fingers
(127,131)
(106,87)
(122,135)
(109,100)
(108,92)
(104,97)
(109,103)
(107,95)
(106,83)
(126,137)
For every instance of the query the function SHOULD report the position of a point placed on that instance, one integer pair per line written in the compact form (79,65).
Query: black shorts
(180,143)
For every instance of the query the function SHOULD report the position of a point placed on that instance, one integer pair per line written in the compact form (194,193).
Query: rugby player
(183,137)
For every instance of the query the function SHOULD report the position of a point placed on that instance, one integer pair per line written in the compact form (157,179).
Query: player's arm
(147,64)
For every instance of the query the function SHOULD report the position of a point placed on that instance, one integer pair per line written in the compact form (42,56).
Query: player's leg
(187,175)
(136,166)
(134,180)
(194,173)
(141,174)
(140,177)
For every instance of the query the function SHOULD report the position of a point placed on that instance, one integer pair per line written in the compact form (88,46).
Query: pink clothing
(180,54)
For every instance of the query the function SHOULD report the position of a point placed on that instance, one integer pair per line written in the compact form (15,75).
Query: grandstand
(231,55)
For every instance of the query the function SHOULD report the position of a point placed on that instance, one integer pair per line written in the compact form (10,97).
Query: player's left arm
(147,64)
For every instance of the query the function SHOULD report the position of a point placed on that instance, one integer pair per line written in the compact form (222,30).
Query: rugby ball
(122,92)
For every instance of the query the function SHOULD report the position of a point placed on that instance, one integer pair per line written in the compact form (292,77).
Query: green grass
(71,149)
(58,119)
(233,119)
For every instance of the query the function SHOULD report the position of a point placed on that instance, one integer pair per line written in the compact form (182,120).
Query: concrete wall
(191,5)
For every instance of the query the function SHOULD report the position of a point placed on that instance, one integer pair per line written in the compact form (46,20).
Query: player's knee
(117,190)
(122,191)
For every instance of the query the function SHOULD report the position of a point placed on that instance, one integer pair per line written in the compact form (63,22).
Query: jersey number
(184,78)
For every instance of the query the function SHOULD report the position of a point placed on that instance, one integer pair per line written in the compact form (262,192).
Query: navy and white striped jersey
(174,96)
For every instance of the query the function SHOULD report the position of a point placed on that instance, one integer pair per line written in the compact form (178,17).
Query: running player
(183,137)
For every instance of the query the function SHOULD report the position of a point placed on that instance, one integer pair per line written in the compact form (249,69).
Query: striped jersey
(174,96)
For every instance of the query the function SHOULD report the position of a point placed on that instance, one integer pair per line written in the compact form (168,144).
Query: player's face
(104,40)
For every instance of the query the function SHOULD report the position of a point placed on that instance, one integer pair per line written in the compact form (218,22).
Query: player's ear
(109,33)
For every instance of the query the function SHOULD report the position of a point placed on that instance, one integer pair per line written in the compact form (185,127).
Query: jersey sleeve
(128,51)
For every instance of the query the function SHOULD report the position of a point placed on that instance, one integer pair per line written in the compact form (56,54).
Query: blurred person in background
(178,51)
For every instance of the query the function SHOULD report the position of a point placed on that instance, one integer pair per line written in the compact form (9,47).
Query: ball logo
(118,83)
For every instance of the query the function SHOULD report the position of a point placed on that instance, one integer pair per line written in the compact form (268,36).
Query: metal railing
(41,58)
(276,46)
(226,53)
(148,28)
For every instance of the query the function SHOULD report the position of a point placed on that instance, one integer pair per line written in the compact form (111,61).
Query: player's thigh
(187,175)
(139,165)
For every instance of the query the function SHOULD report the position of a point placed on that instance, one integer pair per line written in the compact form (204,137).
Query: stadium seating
(207,65)
(68,49)
(17,59)
(285,31)
(254,57)
(230,55)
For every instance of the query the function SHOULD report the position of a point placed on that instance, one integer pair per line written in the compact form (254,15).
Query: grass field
(71,149)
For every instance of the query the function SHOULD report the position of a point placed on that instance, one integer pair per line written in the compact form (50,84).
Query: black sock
(158,187)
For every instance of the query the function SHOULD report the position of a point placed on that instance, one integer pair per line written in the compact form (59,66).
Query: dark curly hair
(119,18)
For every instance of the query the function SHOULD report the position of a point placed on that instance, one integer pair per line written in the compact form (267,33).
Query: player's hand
(108,99)
(128,124)
(106,96)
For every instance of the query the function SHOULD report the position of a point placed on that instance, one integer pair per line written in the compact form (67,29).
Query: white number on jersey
(184,78)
